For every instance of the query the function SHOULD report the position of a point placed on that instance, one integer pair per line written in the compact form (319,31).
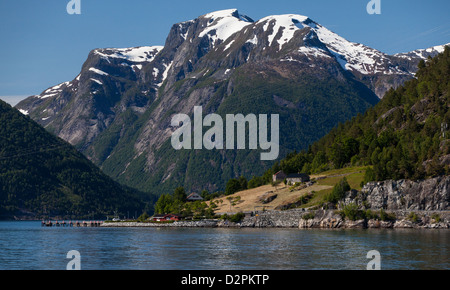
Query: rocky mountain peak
(223,24)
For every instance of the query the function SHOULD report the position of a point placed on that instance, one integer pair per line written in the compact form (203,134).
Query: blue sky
(42,45)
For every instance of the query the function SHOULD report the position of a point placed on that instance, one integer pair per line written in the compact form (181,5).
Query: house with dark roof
(194,197)
(279,176)
(297,177)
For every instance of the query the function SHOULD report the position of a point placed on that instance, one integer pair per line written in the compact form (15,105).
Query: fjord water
(28,246)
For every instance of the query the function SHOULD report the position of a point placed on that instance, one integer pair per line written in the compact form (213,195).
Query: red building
(166,217)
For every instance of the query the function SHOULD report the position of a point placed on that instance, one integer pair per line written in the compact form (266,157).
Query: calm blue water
(27,245)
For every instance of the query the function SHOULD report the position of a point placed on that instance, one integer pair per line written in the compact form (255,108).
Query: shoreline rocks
(191,224)
(304,219)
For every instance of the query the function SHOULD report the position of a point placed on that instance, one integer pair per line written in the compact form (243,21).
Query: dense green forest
(404,136)
(43,176)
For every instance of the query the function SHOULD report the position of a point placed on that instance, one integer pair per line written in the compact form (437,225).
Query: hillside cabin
(297,177)
(279,176)
(194,197)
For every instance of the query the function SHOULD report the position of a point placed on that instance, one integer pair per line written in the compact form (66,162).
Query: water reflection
(28,246)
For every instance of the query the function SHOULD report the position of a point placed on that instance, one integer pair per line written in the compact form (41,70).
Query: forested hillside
(42,175)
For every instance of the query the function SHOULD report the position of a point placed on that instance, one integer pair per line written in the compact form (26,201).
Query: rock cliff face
(429,195)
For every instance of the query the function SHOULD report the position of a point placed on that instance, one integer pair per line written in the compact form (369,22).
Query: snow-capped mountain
(117,111)
(422,53)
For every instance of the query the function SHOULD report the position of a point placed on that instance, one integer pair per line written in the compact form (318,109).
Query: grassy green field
(354,175)
(290,195)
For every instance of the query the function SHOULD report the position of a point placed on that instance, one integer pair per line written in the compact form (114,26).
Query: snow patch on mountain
(314,52)
(223,24)
(288,23)
(24,112)
(134,54)
(52,91)
(254,40)
(165,73)
(355,56)
(97,81)
(228,45)
(97,71)
(155,72)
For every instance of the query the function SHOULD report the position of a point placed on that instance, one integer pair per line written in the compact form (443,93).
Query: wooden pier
(71,224)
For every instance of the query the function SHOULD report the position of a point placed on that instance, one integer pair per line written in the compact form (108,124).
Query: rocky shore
(397,219)
(190,224)
(334,219)
(304,219)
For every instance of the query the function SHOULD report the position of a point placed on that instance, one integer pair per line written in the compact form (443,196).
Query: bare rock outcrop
(429,195)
